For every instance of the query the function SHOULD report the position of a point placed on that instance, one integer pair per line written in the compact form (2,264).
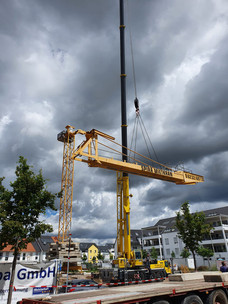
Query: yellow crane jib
(87,152)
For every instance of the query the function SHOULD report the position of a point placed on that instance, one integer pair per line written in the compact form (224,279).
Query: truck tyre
(158,274)
(192,299)
(217,297)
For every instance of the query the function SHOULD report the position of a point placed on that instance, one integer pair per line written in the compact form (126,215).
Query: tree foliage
(20,210)
(205,253)
(94,259)
(100,256)
(21,207)
(153,253)
(192,228)
(173,255)
(144,253)
(185,253)
(84,257)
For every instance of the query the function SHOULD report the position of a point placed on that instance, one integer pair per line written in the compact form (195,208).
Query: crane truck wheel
(217,297)
(158,274)
(192,299)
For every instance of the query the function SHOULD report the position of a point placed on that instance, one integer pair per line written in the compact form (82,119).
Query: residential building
(90,250)
(164,236)
(152,237)
(35,252)
(136,239)
(106,251)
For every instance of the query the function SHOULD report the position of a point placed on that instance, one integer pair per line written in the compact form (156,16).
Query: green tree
(100,256)
(20,210)
(94,259)
(192,228)
(185,254)
(153,253)
(205,253)
(84,257)
(172,258)
(144,254)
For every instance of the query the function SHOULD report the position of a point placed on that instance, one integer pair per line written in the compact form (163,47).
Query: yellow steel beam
(94,160)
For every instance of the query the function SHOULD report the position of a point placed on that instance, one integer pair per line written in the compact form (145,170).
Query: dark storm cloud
(59,65)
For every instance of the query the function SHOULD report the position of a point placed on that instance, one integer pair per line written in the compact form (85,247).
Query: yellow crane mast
(65,211)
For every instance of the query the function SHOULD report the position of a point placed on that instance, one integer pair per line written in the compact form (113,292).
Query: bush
(184,269)
(213,268)
(203,268)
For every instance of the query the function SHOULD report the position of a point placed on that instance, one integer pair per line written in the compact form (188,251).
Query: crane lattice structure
(65,211)
(88,152)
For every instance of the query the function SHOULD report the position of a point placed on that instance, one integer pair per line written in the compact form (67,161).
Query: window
(177,251)
(1,255)
(167,241)
(18,256)
(168,251)
(24,255)
(90,251)
(175,239)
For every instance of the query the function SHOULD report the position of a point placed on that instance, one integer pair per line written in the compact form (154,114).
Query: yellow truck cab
(161,264)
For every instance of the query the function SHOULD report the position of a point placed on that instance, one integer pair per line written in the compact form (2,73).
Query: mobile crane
(129,263)
(88,152)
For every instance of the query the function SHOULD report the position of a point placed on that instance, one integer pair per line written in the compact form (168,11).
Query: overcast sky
(59,65)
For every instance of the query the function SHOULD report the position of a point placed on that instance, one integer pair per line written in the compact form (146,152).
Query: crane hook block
(136,104)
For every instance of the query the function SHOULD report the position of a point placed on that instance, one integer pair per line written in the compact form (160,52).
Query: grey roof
(169,223)
(104,248)
(216,211)
(110,245)
(43,243)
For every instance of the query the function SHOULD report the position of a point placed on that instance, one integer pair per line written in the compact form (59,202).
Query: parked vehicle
(164,264)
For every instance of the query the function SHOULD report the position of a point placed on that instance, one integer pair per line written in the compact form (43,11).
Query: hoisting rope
(138,118)
(131,46)
(143,156)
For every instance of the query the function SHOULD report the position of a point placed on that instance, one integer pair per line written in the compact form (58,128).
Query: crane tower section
(65,212)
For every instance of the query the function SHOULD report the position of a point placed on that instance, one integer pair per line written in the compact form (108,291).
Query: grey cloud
(67,54)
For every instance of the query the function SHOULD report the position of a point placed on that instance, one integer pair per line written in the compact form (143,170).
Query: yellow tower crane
(65,211)
(88,152)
